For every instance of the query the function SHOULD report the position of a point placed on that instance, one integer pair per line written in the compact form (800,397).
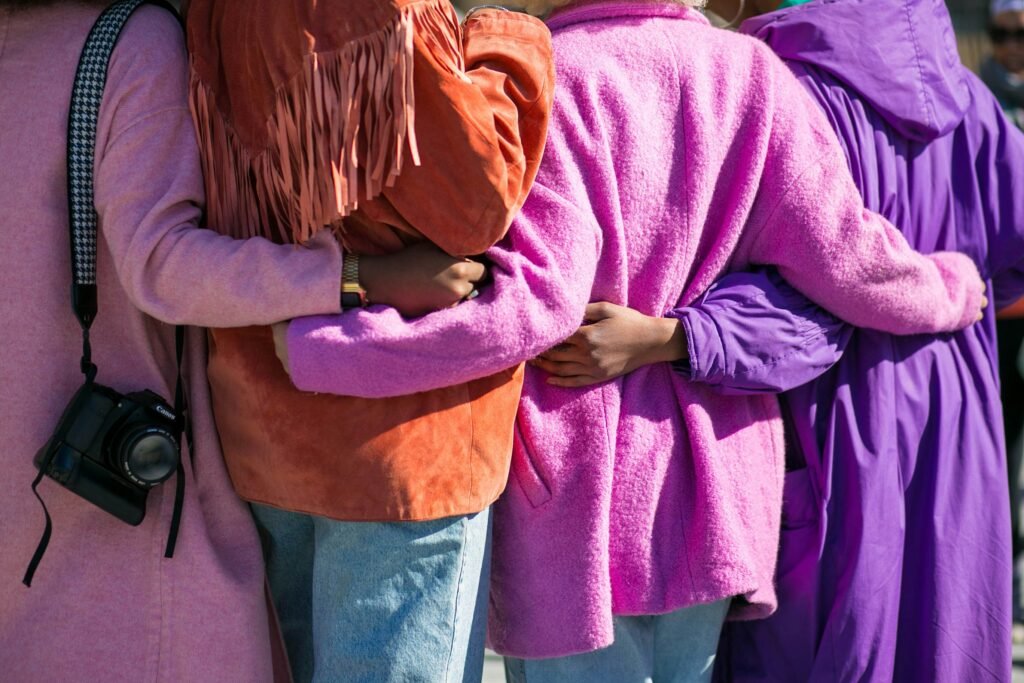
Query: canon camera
(111,449)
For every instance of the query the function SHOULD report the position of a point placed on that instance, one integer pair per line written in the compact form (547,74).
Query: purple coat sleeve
(753,333)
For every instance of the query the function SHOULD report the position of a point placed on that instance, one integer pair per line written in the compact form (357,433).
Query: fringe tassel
(337,135)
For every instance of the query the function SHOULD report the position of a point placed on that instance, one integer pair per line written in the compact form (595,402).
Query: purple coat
(895,560)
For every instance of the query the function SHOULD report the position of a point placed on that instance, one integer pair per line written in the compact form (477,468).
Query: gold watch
(352,293)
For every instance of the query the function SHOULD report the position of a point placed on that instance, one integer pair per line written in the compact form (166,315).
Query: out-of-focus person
(1003,71)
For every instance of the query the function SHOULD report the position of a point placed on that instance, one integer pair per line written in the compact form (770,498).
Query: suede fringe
(338,135)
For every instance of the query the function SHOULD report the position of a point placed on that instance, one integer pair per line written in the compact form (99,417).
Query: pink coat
(105,604)
(677,153)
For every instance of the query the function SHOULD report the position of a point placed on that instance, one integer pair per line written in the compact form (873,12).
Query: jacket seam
(809,336)
(778,204)
(522,160)
(399,514)
(779,359)
(818,161)
(695,366)
(922,90)
(686,245)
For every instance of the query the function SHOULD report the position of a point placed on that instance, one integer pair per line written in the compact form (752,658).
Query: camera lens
(148,456)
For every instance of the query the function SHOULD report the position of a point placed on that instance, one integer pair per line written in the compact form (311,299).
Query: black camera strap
(83,117)
(183,427)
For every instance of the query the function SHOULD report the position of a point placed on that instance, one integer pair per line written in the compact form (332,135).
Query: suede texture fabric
(439,137)
(415,457)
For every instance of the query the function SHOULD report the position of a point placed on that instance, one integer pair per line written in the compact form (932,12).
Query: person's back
(638,159)
(105,604)
(390,123)
(903,563)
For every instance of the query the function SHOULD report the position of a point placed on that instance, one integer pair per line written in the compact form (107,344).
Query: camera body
(111,449)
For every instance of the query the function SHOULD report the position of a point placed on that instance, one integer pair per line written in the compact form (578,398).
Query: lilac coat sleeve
(537,299)
(754,333)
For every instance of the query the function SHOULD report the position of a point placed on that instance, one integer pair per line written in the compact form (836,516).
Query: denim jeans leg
(627,660)
(400,602)
(466,662)
(287,539)
(685,643)
(678,647)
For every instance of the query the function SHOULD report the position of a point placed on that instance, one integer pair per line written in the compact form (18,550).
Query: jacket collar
(584,11)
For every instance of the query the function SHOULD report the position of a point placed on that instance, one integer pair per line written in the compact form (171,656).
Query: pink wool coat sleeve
(149,214)
(537,299)
(812,225)
(803,214)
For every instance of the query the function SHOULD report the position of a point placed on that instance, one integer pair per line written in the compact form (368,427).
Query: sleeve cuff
(704,347)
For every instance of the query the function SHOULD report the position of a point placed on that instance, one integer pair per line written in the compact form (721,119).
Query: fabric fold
(347,114)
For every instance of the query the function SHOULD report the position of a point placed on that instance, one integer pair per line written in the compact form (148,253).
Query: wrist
(666,341)
(353,293)
(479,8)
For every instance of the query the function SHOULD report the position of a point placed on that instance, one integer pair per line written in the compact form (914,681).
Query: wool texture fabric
(391,124)
(105,604)
(895,551)
(678,153)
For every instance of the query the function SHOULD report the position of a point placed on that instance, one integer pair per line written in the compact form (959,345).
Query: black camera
(111,449)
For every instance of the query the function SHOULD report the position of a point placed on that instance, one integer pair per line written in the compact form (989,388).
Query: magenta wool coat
(677,153)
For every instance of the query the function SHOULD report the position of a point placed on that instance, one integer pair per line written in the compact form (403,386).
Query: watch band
(474,10)
(352,293)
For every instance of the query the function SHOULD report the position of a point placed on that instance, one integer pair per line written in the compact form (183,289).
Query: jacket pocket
(526,472)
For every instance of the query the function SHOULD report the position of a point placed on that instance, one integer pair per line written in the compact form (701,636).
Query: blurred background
(970,19)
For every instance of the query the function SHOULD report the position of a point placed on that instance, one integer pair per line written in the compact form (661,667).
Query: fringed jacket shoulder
(388,123)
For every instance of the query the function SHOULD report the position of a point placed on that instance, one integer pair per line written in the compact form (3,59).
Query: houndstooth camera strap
(83,117)
(86,98)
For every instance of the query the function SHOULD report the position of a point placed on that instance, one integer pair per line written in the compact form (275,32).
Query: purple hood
(899,55)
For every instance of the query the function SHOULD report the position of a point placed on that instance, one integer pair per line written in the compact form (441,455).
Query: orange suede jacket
(390,123)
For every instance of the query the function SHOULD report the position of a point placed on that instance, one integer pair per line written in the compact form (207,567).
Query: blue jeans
(379,602)
(678,647)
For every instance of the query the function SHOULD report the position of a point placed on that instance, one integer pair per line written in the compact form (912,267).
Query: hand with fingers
(420,279)
(417,280)
(613,341)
